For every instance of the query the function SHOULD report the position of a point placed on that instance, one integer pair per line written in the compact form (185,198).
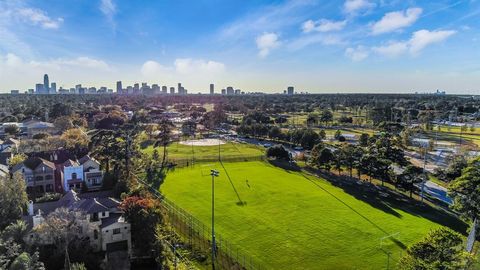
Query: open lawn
(178,151)
(291,220)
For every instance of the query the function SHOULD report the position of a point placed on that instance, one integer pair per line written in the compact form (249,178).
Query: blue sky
(317,46)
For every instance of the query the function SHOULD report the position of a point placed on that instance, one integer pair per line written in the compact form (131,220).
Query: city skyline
(319,47)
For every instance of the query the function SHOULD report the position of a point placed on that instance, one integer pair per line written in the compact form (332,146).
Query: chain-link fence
(198,237)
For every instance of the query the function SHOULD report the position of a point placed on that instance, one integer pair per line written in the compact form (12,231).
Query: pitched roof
(112,219)
(34,162)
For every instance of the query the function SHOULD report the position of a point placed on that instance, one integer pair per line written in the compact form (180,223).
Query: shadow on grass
(240,202)
(388,200)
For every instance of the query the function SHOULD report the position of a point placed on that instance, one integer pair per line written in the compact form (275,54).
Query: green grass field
(230,149)
(297,221)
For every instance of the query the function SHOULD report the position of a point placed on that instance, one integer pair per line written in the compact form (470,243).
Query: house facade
(39,176)
(85,173)
(103,224)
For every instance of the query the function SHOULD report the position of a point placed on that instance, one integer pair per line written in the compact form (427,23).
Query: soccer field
(296,221)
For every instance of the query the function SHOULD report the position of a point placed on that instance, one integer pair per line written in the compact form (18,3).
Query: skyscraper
(212,89)
(119,87)
(53,88)
(172,90)
(290,90)
(164,89)
(46,85)
(38,88)
(230,90)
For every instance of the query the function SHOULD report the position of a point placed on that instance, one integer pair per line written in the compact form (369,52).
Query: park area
(288,219)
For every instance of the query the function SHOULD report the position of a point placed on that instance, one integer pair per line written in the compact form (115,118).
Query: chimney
(30,208)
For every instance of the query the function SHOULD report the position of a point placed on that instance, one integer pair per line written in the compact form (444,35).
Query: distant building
(224,91)
(46,85)
(136,88)
(290,90)
(238,92)
(119,87)
(53,88)
(31,91)
(212,89)
(230,90)
(15,92)
(164,89)
(172,90)
(39,88)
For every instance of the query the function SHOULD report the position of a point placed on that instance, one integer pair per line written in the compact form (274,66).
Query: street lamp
(213,173)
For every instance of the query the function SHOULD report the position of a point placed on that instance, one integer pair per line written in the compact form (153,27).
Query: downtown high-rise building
(39,88)
(53,88)
(172,90)
(290,90)
(46,84)
(164,89)
(212,89)
(119,87)
(230,90)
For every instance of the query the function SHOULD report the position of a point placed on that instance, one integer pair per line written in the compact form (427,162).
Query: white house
(84,172)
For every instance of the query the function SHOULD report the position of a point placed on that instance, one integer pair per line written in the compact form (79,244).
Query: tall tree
(440,249)
(13,199)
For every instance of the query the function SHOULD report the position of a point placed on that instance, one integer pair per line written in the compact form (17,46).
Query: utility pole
(213,173)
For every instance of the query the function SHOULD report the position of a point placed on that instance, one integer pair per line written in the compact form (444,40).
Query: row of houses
(43,176)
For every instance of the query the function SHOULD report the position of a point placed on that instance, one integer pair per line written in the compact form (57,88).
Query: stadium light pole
(213,173)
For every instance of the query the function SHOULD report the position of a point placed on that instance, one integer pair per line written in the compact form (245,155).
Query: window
(116,231)
(74,176)
(39,178)
(49,188)
(48,177)
(95,217)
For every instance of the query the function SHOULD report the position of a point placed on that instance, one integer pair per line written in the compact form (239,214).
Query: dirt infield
(203,142)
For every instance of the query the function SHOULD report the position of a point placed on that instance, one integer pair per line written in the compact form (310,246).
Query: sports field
(177,151)
(295,221)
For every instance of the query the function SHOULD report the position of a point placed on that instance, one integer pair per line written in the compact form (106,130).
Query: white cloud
(419,41)
(323,25)
(357,54)
(422,38)
(353,7)
(38,17)
(152,68)
(266,42)
(393,21)
(109,9)
(13,61)
(393,49)
(188,66)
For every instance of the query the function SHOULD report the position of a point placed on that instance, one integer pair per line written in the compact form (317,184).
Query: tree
(78,266)
(465,191)
(164,136)
(15,232)
(351,156)
(143,214)
(278,152)
(16,159)
(75,139)
(440,249)
(13,199)
(275,133)
(326,116)
(63,123)
(11,129)
(364,139)
(321,157)
(409,177)
(312,119)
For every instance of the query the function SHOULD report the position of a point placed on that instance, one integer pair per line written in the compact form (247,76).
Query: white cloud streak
(354,7)
(397,20)
(109,9)
(323,25)
(38,17)
(357,54)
